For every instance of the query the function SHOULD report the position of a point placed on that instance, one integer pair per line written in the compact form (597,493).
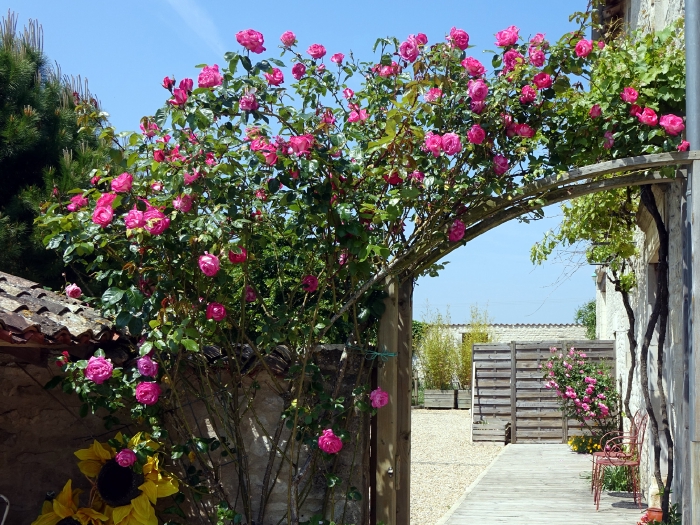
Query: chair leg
(599,485)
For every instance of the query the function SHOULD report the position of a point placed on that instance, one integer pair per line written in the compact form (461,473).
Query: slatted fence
(509,398)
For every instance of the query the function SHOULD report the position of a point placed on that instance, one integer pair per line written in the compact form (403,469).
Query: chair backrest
(641,430)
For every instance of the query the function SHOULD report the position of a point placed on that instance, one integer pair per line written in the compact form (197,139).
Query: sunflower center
(68,521)
(118,485)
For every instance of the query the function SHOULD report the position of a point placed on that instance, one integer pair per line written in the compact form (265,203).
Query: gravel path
(443,461)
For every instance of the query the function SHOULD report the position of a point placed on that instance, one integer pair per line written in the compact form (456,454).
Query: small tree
(585,315)
(478,332)
(437,352)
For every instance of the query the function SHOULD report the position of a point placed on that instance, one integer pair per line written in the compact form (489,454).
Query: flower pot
(654,514)
(464,398)
(439,399)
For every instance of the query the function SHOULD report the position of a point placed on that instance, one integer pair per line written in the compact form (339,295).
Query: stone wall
(505,333)
(653,14)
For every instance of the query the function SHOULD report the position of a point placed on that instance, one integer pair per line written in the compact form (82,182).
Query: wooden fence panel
(509,397)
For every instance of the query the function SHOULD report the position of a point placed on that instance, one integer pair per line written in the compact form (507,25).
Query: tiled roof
(34,321)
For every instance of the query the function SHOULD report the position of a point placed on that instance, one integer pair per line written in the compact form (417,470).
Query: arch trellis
(391,500)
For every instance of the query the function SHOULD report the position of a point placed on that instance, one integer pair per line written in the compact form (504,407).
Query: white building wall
(653,14)
(505,333)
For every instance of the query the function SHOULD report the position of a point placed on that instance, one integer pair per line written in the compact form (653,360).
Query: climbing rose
(147,366)
(537,57)
(459,38)
(309,283)
(629,95)
(134,219)
(250,294)
(216,311)
(329,443)
(77,202)
(158,155)
(527,94)
(122,183)
(103,215)
(168,83)
(348,93)
(511,59)
(337,58)
(456,231)
(147,393)
(583,48)
(507,37)
(608,140)
(237,258)
(248,102)
(417,176)
(356,116)
(288,39)
(473,66)
(210,77)
(74,291)
(316,51)
(275,78)
(433,94)
(186,84)
(106,200)
(451,143)
(595,111)
(155,221)
(125,458)
(684,145)
(179,97)
(433,143)
(98,370)
(379,398)
(635,110)
(524,131)
(422,39)
(393,179)
(648,117)
(477,106)
(299,70)
(209,264)
(408,50)
(251,40)
(542,80)
(476,134)
(301,144)
(500,164)
(672,124)
(477,90)
(183,203)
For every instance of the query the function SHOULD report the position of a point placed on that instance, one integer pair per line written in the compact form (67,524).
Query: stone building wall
(653,14)
(505,333)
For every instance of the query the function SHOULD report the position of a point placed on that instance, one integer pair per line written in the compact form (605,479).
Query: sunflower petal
(150,489)
(167,487)
(47,519)
(119,514)
(90,468)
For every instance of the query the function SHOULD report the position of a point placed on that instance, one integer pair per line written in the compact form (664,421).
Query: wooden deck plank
(533,483)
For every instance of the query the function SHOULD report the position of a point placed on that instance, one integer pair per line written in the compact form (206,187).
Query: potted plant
(437,355)
(477,332)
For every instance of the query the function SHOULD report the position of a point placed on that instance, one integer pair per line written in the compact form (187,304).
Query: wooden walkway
(532,484)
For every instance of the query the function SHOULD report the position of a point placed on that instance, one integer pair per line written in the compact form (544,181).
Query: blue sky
(126,48)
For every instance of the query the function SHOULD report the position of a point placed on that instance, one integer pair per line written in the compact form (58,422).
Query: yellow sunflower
(138,512)
(65,505)
(93,458)
(156,483)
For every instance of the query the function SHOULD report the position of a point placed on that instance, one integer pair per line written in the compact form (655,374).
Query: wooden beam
(513,394)
(403,403)
(387,416)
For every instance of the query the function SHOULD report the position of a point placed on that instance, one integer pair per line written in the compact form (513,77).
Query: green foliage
(585,315)
(616,479)
(437,351)
(477,332)
(584,444)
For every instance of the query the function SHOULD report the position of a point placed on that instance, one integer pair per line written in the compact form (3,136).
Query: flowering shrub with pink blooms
(585,389)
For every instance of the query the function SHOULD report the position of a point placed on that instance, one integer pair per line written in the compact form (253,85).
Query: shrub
(437,352)
(478,332)
(584,444)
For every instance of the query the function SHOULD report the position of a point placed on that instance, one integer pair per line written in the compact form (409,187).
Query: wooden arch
(390,500)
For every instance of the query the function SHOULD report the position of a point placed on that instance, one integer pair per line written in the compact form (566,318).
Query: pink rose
(147,366)
(77,202)
(537,57)
(348,93)
(422,39)
(316,51)
(672,124)
(134,219)
(595,111)
(320,69)
(210,77)
(209,264)
(408,50)
(433,94)
(451,144)
(507,37)
(275,78)
(456,231)
(473,67)
(237,258)
(356,116)
(542,80)
(394,179)
(329,443)
(288,39)
(149,130)
(183,203)
(635,110)
(477,106)
(299,70)
(189,179)
(458,38)
(251,40)
(103,215)
(105,200)
(601,44)
(684,145)
(98,370)
(155,221)
(379,398)
(478,89)
(417,176)
(608,140)
(629,95)
(527,94)
(168,83)
(248,102)
(511,59)
(537,39)
(179,97)
(147,392)
(125,458)
(122,183)
(583,48)
(158,155)
(216,311)
(338,58)
(433,143)
(301,144)
(74,291)
(648,117)
(524,131)
(250,294)
(186,84)
(309,283)
(500,164)
(269,151)
(476,134)
(157,186)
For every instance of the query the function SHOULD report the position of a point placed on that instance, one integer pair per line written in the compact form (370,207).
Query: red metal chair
(619,451)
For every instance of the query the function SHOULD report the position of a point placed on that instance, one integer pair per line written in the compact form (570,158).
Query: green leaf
(246,63)
(190,345)
(53,382)
(112,296)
